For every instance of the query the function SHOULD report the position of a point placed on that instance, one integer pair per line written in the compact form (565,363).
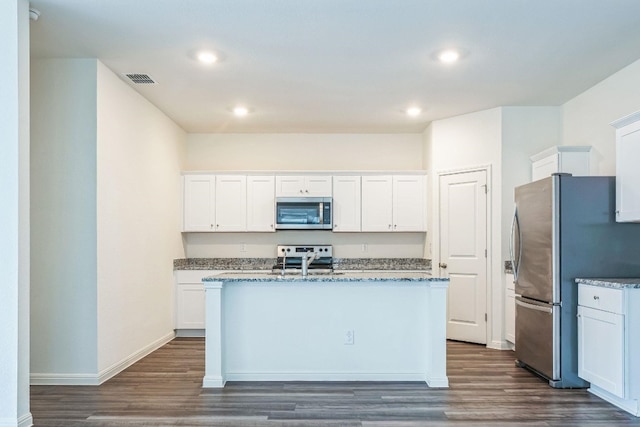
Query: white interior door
(463,256)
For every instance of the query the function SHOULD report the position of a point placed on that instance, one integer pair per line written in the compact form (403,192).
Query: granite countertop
(622,283)
(378,276)
(417,264)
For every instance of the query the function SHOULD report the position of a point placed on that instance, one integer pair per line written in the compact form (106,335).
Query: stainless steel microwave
(304,213)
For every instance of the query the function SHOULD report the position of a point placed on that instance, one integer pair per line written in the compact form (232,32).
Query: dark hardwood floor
(164,389)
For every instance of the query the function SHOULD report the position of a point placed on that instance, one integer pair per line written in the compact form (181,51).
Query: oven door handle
(321,213)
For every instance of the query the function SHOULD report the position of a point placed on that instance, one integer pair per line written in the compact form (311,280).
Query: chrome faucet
(307,259)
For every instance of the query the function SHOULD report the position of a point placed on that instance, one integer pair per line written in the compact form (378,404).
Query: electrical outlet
(243,247)
(365,247)
(349,337)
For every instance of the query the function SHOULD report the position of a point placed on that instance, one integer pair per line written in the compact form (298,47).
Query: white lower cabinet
(190,300)
(609,343)
(510,309)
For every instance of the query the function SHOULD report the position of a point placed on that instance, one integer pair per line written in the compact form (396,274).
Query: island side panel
(275,331)
(213,375)
(437,329)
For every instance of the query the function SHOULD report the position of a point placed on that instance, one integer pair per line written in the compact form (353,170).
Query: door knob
(443,265)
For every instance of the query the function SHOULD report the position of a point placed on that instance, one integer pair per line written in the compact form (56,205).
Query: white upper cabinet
(409,203)
(562,158)
(199,203)
(346,203)
(261,196)
(231,203)
(303,186)
(627,170)
(393,203)
(377,203)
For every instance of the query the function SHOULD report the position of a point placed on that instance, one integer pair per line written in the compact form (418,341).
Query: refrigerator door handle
(544,308)
(515,263)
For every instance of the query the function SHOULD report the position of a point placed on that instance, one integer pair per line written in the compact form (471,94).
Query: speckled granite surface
(611,283)
(223,263)
(381,264)
(346,277)
(268,263)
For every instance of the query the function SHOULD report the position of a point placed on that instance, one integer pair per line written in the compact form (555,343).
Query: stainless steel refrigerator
(564,227)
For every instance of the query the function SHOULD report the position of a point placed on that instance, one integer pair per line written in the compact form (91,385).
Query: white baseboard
(213,382)
(631,406)
(324,376)
(438,382)
(24,421)
(105,374)
(190,333)
(499,345)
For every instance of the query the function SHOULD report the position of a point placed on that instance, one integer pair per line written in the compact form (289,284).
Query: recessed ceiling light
(207,57)
(240,111)
(413,111)
(448,56)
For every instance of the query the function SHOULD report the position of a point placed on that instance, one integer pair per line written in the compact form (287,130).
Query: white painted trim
(24,421)
(499,345)
(438,382)
(307,172)
(435,261)
(213,382)
(116,368)
(325,376)
(104,375)
(631,406)
(198,333)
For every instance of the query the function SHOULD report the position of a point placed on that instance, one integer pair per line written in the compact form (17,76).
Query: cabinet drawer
(600,298)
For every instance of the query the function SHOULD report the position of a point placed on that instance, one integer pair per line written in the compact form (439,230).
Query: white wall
(106,222)
(63,217)
(587,116)
(332,152)
(304,152)
(14,214)
(525,131)
(140,153)
(465,142)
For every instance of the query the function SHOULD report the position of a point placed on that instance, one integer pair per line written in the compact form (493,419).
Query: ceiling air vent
(140,79)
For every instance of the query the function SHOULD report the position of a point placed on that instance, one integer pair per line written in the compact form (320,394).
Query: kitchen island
(354,326)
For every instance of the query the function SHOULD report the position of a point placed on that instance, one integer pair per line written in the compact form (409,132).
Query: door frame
(435,245)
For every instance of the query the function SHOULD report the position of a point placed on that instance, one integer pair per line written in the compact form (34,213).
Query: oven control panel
(324,251)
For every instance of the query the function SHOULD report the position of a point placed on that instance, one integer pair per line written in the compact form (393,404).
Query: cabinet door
(628,173)
(317,186)
(509,309)
(290,186)
(409,203)
(190,306)
(198,203)
(346,203)
(231,203)
(377,203)
(545,167)
(260,203)
(601,349)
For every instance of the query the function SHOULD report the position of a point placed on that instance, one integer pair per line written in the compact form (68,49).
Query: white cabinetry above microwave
(303,186)
(228,203)
(362,201)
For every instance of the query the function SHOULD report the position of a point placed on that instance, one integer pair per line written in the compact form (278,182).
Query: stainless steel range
(301,259)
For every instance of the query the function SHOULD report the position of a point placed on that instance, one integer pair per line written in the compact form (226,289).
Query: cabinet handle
(596,297)
(306,191)
(389,226)
(271,225)
(395,225)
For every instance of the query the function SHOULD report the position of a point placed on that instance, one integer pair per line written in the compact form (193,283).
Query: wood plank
(164,389)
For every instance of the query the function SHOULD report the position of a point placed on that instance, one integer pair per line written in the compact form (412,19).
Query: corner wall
(63,218)
(140,153)
(587,116)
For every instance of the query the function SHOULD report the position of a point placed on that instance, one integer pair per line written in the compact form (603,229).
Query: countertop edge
(615,283)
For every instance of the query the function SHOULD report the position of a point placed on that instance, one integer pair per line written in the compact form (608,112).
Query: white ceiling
(344,65)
